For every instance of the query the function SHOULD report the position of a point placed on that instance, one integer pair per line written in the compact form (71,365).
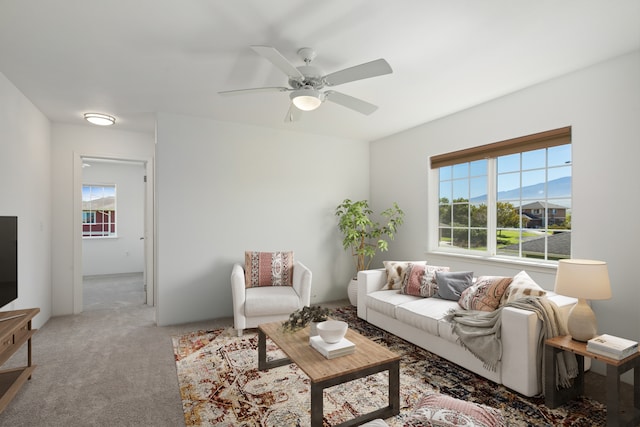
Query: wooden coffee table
(369,358)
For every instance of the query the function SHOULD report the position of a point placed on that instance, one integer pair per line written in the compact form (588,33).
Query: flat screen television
(8,259)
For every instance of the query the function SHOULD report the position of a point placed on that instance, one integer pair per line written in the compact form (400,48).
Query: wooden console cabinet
(15,330)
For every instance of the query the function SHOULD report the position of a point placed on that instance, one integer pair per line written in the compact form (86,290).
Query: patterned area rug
(221,385)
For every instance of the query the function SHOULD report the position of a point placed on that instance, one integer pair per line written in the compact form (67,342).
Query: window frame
(93,213)
(547,139)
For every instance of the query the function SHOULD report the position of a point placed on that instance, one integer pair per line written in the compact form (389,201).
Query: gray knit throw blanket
(479,333)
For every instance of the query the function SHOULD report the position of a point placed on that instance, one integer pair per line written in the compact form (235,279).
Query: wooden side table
(555,397)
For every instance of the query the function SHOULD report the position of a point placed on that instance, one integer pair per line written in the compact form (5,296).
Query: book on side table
(611,346)
(330,351)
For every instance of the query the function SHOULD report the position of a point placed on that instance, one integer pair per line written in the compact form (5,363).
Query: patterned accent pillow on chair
(268,269)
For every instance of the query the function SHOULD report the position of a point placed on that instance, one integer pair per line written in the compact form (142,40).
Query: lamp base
(581,322)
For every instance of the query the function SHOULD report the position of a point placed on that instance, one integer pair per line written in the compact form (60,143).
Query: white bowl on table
(332,331)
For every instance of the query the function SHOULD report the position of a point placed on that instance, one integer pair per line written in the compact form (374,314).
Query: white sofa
(421,322)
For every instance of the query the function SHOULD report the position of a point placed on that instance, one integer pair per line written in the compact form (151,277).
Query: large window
(511,198)
(98,210)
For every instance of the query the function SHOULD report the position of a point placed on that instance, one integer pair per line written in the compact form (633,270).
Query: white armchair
(253,306)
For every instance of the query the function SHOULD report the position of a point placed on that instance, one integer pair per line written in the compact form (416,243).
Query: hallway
(112,291)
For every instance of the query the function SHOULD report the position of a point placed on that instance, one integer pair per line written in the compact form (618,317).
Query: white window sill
(529,264)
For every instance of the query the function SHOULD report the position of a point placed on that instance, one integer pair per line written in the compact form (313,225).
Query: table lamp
(583,279)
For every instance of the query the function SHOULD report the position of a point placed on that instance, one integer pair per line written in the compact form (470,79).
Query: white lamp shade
(583,278)
(306,99)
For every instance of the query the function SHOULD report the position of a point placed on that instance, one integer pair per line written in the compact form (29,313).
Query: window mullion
(492,214)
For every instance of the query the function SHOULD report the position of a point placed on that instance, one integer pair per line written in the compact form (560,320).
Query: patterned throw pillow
(485,294)
(420,280)
(396,271)
(438,410)
(268,269)
(522,286)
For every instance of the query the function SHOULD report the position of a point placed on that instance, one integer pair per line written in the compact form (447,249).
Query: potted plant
(307,315)
(364,236)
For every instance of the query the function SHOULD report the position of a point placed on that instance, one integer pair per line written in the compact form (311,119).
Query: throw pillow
(485,294)
(452,284)
(420,280)
(396,271)
(522,286)
(439,410)
(268,269)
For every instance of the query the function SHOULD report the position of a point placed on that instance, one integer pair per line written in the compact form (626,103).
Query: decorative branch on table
(360,230)
(301,318)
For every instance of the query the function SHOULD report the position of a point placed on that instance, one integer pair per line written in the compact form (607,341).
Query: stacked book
(330,351)
(612,347)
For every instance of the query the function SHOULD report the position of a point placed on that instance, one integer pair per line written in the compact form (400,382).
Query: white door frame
(149,225)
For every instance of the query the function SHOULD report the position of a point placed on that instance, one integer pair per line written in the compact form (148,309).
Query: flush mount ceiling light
(99,119)
(306,99)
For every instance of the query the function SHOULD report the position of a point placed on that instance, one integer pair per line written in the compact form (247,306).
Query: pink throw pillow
(268,269)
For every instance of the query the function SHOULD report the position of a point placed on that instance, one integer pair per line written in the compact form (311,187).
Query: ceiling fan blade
(279,61)
(350,102)
(293,115)
(253,90)
(375,68)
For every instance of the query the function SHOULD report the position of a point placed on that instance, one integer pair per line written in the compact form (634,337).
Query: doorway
(113,236)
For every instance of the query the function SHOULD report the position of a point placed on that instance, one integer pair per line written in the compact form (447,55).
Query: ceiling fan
(306,82)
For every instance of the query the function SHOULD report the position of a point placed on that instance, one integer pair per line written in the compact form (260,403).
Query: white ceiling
(132,58)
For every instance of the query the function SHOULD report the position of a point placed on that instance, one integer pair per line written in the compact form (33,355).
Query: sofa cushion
(395,272)
(485,294)
(420,280)
(522,286)
(425,313)
(268,269)
(451,284)
(439,410)
(266,301)
(385,302)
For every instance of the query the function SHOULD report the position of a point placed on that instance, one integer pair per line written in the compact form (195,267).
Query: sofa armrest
(238,296)
(369,281)
(520,334)
(520,347)
(302,282)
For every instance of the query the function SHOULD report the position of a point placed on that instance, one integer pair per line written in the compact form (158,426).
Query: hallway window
(98,210)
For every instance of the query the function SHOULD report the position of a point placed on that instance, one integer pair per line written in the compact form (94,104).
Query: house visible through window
(98,210)
(511,198)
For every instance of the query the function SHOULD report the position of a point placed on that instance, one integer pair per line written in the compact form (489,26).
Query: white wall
(125,253)
(224,188)
(68,143)
(25,192)
(602,104)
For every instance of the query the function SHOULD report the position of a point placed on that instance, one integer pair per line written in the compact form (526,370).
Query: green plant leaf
(359,229)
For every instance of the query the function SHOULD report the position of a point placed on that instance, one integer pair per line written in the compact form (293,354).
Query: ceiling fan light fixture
(306,99)
(99,119)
